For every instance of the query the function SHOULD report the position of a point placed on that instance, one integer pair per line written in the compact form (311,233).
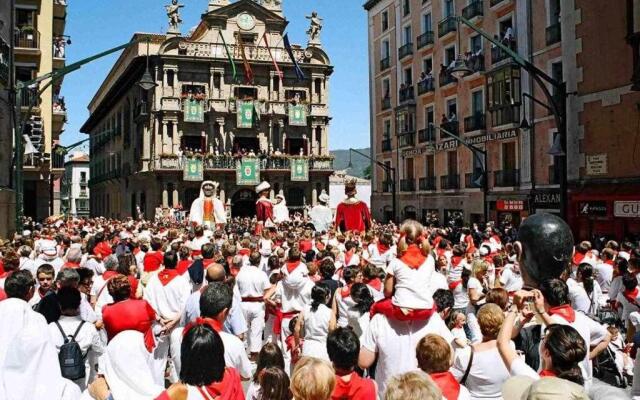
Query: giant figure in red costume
(352,214)
(264,207)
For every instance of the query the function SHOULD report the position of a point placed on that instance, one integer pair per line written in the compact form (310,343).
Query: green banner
(193,170)
(193,110)
(299,170)
(297,115)
(248,171)
(245,112)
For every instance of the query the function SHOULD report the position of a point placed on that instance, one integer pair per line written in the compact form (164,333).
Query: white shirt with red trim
(413,285)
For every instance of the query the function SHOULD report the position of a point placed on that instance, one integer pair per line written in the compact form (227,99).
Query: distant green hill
(360,163)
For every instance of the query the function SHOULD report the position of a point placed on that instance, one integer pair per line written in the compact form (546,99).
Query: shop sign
(593,208)
(417,151)
(447,145)
(510,205)
(626,209)
(597,164)
(547,199)
(492,136)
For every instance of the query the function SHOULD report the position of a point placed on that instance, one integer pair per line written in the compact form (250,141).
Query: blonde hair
(312,379)
(479,266)
(414,385)
(490,319)
(411,232)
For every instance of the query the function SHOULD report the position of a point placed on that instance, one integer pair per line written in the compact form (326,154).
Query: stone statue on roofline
(314,29)
(173,13)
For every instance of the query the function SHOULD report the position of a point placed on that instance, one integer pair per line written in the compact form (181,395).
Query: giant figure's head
(208,189)
(545,245)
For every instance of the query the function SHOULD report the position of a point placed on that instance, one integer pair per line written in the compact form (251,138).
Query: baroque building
(227,89)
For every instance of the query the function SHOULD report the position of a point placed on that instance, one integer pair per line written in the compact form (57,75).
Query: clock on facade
(246,22)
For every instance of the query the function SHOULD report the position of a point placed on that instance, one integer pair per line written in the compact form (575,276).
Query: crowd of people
(251,308)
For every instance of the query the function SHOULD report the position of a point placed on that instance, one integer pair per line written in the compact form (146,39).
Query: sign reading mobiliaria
(473,140)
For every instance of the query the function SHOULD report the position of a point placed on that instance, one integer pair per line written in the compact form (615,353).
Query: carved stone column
(175,138)
(165,196)
(166,143)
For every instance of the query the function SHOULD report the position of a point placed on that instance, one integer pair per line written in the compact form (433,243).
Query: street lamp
(390,171)
(147,82)
(482,180)
(460,68)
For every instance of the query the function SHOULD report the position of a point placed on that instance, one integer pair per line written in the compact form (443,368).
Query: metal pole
(19,160)
(394,194)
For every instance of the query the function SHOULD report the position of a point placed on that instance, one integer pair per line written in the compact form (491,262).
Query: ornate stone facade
(233,62)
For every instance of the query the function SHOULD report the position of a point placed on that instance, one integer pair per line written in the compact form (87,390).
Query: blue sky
(97,25)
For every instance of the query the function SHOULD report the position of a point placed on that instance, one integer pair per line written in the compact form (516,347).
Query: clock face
(246,22)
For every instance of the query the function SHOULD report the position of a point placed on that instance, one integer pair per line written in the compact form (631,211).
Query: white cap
(50,251)
(26,232)
(263,186)
(324,197)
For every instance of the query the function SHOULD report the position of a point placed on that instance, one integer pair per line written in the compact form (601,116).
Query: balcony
(386,103)
(553,33)
(385,63)
(26,38)
(475,122)
(450,182)
(405,50)
(554,175)
(447,26)
(425,86)
(475,9)
(469,182)
(506,178)
(83,193)
(476,62)
(446,78)
(427,135)
(505,115)
(451,127)
(428,183)
(407,94)
(228,163)
(497,54)
(499,3)
(407,185)
(426,39)
(407,139)
(29,98)
(386,145)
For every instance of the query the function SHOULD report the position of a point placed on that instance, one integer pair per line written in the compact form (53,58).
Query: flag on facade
(233,64)
(248,72)
(299,170)
(193,170)
(296,67)
(193,110)
(245,114)
(297,115)
(248,171)
(275,64)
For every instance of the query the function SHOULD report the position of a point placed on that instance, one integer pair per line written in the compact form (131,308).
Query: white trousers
(254,315)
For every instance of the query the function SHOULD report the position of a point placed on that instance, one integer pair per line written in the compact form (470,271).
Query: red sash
(413,257)
(250,299)
(565,311)
(291,266)
(281,316)
(447,383)
(167,275)
(391,311)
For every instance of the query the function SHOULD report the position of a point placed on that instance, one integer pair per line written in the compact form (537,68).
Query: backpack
(70,356)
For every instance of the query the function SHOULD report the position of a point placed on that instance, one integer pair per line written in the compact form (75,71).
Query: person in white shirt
(215,303)
(604,270)
(252,284)
(25,259)
(321,215)
(434,357)
(280,210)
(44,280)
(510,278)
(49,255)
(316,321)
(486,372)
(475,287)
(71,325)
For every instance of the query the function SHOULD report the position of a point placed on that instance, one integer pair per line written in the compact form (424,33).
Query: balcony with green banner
(193,110)
(248,171)
(193,170)
(246,114)
(297,115)
(299,169)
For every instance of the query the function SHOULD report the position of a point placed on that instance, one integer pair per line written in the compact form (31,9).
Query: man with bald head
(235,322)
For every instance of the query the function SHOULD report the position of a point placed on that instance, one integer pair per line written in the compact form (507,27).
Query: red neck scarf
(70,264)
(578,257)
(382,248)
(413,257)
(609,262)
(229,388)
(109,274)
(347,256)
(456,260)
(547,373)
(167,275)
(565,311)
(447,383)
(292,265)
(376,284)
(346,291)
(214,324)
(244,252)
(631,295)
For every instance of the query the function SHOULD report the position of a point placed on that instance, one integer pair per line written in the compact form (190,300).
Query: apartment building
(39,48)
(74,191)
(7,195)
